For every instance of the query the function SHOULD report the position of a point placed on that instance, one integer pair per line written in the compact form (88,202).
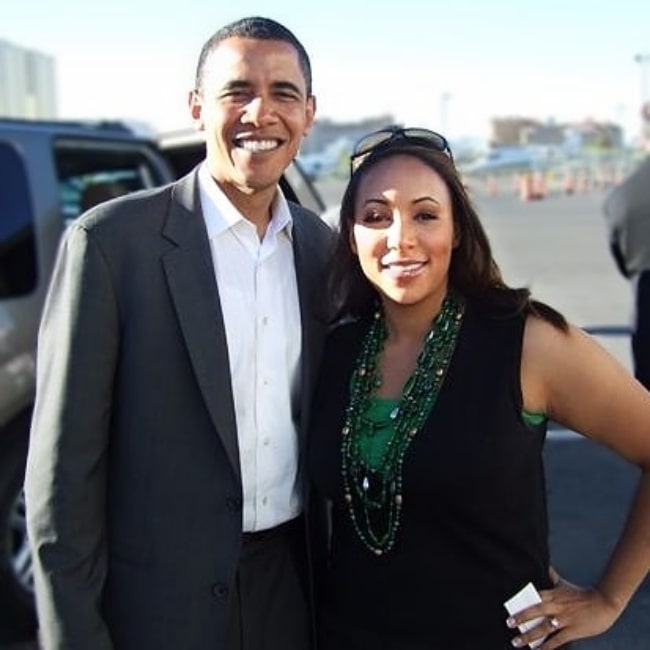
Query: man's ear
(310,114)
(196,109)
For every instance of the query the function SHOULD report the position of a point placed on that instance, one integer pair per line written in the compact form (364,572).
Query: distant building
(522,131)
(596,135)
(511,131)
(27,83)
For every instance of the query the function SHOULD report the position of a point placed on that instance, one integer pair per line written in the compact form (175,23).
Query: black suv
(51,172)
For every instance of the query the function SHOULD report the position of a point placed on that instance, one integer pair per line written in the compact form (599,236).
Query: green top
(378,427)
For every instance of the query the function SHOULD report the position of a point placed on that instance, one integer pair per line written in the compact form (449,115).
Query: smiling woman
(403,233)
(429,422)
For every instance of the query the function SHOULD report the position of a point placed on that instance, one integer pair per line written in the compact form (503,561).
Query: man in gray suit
(178,347)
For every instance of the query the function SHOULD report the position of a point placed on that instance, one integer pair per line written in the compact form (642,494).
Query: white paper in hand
(527,597)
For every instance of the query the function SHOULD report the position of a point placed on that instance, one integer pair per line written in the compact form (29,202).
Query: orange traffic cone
(525,187)
(539,185)
(569,183)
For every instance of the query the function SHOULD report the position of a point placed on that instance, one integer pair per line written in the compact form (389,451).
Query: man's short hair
(256,27)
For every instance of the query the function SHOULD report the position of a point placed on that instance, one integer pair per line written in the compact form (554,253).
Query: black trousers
(269,606)
(641,333)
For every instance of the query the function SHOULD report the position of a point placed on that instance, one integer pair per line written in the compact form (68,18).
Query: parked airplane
(512,159)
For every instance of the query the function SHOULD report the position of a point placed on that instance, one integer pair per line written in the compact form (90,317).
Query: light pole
(444,103)
(644,63)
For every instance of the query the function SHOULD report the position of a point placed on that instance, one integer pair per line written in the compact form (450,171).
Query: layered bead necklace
(371,461)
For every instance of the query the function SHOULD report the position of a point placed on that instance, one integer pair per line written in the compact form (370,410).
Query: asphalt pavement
(589,492)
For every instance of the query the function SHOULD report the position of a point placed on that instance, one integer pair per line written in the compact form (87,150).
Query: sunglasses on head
(391,134)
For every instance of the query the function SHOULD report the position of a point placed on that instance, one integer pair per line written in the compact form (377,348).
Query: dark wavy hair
(473,272)
(260,28)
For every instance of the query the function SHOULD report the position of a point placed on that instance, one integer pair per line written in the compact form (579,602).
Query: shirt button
(220,590)
(265,320)
(264,501)
(266,442)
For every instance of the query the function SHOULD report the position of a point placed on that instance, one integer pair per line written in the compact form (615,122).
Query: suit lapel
(313,307)
(194,291)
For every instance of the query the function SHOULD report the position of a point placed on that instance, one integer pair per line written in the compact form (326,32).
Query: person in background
(99,192)
(179,342)
(429,421)
(627,212)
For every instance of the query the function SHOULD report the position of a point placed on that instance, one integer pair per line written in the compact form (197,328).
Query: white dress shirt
(259,301)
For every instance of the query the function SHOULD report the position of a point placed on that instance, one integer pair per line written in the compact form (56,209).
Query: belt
(268,534)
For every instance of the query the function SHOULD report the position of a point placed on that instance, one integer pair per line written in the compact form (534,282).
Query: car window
(304,190)
(92,171)
(18,271)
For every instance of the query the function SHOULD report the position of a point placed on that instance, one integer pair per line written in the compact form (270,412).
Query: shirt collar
(220,214)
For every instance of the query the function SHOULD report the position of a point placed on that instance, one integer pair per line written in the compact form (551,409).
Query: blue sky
(449,64)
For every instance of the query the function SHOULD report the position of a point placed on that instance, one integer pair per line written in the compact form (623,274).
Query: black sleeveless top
(474,526)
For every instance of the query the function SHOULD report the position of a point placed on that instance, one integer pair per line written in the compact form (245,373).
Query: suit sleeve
(617,255)
(65,483)
(616,210)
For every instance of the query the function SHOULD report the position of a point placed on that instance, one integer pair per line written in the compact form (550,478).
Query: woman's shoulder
(495,317)
(505,304)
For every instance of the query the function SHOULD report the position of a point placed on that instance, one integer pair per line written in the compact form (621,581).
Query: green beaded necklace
(372,482)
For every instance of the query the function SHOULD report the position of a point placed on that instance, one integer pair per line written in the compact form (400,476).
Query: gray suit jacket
(133,487)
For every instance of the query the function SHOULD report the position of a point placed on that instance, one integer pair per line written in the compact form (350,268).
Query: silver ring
(554,623)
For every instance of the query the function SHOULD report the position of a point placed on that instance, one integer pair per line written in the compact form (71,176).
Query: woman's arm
(572,379)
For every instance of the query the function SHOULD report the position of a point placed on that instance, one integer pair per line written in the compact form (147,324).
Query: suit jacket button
(220,590)
(233,503)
